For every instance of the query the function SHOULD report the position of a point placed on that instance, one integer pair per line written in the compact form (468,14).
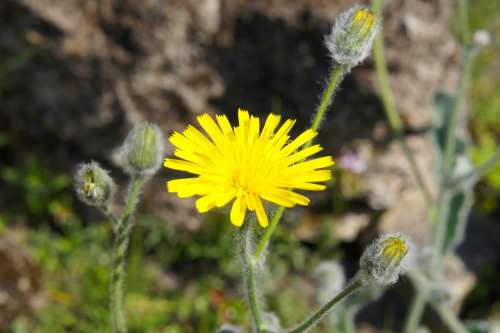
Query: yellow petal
(296,198)
(209,125)
(303,154)
(285,128)
(278,199)
(224,124)
(181,142)
(173,163)
(299,141)
(317,163)
(270,125)
(224,198)
(206,203)
(238,212)
(260,212)
(243,117)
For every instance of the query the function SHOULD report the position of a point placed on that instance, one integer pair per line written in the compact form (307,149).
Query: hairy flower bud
(143,149)
(352,36)
(93,185)
(384,260)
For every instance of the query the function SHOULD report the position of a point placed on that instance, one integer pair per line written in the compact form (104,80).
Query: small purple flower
(350,161)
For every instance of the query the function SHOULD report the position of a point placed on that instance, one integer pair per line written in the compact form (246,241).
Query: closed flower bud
(352,36)
(143,150)
(93,185)
(384,260)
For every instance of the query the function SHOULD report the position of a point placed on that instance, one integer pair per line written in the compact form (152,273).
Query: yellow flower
(245,165)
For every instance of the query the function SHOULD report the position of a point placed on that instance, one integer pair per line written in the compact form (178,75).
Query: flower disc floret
(245,165)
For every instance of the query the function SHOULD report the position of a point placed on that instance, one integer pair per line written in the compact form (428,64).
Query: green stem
(451,136)
(463,19)
(110,214)
(120,246)
(439,216)
(269,232)
(449,159)
(439,213)
(415,313)
(336,76)
(421,284)
(477,173)
(349,321)
(449,318)
(249,272)
(321,312)
(390,107)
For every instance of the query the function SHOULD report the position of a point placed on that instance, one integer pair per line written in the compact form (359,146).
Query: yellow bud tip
(364,20)
(394,248)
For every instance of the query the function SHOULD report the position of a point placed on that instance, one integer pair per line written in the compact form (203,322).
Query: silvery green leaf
(460,201)
(459,206)
(443,107)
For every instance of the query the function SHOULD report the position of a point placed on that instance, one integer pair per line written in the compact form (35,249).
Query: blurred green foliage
(38,192)
(178,280)
(485,98)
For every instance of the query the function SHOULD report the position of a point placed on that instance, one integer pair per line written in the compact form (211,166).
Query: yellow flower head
(245,164)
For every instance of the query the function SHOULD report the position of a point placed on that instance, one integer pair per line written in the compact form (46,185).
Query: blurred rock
(459,280)
(421,52)
(96,67)
(348,226)
(410,216)
(389,178)
(19,282)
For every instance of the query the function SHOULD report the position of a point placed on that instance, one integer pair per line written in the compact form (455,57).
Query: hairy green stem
(322,311)
(449,158)
(415,313)
(463,21)
(336,76)
(249,272)
(120,246)
(439,217)
(390,107)
(449,318)
(110,213)
(269,232)
(451,136)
